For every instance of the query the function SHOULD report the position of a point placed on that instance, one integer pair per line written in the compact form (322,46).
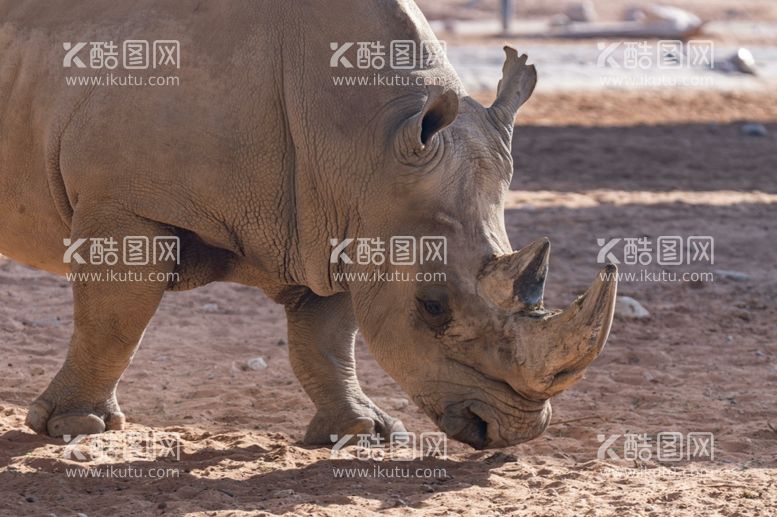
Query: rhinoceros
(253,162)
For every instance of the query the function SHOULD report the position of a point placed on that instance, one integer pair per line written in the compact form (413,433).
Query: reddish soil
(588,167)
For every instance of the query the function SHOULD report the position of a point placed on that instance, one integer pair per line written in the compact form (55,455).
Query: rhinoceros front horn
(557,347)
(551,348)
(516,281)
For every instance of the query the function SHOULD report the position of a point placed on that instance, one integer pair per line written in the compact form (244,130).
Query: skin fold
(256,161)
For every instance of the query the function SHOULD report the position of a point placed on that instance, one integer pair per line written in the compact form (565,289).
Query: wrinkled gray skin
(256,161)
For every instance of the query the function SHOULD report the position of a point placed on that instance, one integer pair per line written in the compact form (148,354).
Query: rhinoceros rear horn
(439,111)
(515,87)
(516,281)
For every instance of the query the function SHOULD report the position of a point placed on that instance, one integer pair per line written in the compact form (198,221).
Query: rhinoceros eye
(433,308)
(434,312)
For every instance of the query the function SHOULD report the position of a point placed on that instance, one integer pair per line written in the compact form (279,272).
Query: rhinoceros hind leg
(111,313)
(321,340)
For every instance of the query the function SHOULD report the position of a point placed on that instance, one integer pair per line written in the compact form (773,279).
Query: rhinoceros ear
(515,88)
(419,131)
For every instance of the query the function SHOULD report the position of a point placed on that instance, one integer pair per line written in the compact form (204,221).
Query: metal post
(507,14)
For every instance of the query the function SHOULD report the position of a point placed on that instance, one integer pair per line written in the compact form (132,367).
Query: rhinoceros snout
(483,426)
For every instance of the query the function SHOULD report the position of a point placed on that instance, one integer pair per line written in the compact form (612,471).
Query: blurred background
(715,45)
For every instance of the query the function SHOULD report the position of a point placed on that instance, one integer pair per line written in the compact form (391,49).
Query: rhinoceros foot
(58,419)
(363,418)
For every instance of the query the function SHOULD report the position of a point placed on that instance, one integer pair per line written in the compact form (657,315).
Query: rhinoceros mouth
(483,426)
(489,414)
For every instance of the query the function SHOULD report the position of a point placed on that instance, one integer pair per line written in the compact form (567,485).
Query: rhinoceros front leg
(321,349)
(110,317)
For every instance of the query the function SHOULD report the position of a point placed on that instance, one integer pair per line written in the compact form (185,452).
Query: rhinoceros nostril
(475,433)
(481,427)
(461,423)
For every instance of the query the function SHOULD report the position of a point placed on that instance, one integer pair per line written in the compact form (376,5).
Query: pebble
(283,493)
(210,307)
(400,403)
(754,129)
(257,363)
(43,323)
(743,61)
(581,12)
(627,307)
(736,276)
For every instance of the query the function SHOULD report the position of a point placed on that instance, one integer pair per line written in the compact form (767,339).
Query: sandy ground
(588,166)
(747,10)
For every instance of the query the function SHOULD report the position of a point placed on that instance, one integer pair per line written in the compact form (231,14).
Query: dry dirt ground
(707,10)
(588,167)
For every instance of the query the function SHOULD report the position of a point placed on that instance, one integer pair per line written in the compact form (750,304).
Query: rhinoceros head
(468,337)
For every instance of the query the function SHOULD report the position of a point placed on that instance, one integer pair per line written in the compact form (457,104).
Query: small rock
(736,276)
(627,307)
(257,363)
(400,403)
(743,61)
(29,499)
(400,502)
(754,130)
(42,323)
(281,342)
(210,307)
(581,12)
(664,15)
(634,14)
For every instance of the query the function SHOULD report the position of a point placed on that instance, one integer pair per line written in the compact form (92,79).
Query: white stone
(581,12)
(736,276)
(743,61)
(753,129)
(257,363)
(627,307)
